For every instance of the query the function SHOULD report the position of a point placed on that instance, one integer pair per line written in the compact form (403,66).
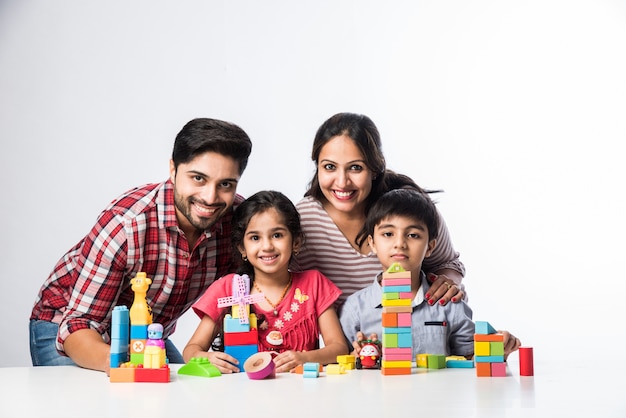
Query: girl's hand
(442,290)
(224,362)
(288,360)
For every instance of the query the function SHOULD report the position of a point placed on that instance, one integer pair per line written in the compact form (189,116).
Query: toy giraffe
(140,312)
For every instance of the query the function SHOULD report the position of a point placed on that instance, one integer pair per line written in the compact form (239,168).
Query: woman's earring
(243,257)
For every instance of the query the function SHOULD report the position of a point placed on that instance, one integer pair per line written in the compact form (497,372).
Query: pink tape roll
(260,366)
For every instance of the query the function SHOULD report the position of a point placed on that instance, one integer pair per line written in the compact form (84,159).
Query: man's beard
(202,224)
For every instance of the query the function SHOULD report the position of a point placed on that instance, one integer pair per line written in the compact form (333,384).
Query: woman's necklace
(273,305)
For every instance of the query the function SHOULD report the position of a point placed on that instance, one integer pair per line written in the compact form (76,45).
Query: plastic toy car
(369,355)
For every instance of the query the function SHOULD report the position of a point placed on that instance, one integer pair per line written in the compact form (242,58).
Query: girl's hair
(258,203)
(406,202)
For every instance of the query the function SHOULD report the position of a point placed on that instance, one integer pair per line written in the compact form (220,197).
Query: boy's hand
(511,343)
(360,338)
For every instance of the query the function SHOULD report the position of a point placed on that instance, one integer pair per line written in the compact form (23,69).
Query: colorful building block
(137,348)
(199,366)
(488,351)
(397,331)
(459,362)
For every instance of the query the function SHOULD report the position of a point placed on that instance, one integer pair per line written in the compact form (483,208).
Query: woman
(350,175)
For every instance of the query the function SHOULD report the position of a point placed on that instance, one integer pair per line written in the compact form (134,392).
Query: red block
(526,367)
(241,338)
(161,375)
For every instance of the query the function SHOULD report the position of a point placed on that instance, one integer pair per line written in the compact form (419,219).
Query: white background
(516,109)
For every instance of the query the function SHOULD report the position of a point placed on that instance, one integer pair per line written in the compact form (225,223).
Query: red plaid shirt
(137,232)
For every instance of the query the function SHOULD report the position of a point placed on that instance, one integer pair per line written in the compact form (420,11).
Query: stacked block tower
(488,351)
(397,335)
(132,340)
(240,326)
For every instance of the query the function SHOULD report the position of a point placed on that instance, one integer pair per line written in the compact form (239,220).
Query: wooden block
(389,319)
(488,337)
(482,348)
(483,369)
(498,369)
(395,371)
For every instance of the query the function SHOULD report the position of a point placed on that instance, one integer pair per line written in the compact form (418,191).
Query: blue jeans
(43,351)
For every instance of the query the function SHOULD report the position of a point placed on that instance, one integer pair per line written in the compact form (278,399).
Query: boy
(402,228)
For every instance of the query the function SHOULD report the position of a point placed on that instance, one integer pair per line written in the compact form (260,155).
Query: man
(177,232)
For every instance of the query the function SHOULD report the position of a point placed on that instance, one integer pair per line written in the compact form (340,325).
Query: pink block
(404,319)
(389,351)
(498,369)
(396,282)
(397,357)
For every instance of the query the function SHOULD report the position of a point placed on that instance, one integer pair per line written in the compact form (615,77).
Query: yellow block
(396,302)
(391,364)
(482,348)
(335,369)
(346,358)
(421,360)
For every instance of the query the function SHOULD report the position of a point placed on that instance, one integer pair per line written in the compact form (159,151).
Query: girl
(296,306)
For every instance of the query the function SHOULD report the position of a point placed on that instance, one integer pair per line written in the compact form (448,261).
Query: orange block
(390,319)
(489,337)
(483,369)
(394,371)
(122,374)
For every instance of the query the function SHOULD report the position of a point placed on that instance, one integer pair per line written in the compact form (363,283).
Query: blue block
(460,364)
(139,332)
(309,374)
(115,359)
(119,346)
(489,359)
(405,340)
(120,320)
(233,325)
(241,352)
(484,328)
(396,289)
(311,367)
(397,330)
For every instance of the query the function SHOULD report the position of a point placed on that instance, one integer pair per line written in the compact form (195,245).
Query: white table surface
(557,389)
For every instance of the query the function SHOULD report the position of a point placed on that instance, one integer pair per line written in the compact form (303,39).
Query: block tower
(488,351)
(241,339)
(130,336)
(397,335)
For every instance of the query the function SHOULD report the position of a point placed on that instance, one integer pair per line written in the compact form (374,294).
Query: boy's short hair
(405,202)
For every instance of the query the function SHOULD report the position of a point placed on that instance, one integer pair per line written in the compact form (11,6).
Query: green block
(136,358)
(199,366)
(436,361)
(496,348)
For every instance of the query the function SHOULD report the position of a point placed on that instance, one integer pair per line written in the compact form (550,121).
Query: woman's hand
(442,290)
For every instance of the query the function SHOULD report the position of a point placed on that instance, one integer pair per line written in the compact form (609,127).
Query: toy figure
(369,355)
(154,354)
